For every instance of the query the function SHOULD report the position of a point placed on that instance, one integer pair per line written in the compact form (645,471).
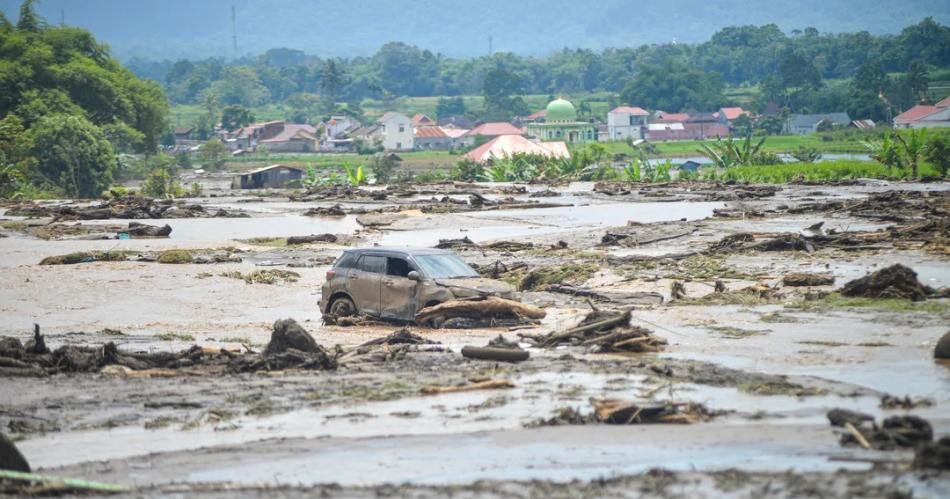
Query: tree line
(68,109)
(797,70)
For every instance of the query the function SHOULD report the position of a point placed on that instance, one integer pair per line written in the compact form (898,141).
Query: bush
(383,166)
(175,256)
(468,170)
(161,184)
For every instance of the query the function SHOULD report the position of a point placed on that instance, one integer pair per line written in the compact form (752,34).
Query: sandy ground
(367,429)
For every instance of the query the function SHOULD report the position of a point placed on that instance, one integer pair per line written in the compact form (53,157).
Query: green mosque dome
(560,110)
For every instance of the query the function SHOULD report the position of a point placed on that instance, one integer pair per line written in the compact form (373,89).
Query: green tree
(29,21)
(937,153)
(15,159)
(674,86)
(74,154)
(499,89)
(917,79)
(213,154)
(450,106)
(332,80)
(235,116)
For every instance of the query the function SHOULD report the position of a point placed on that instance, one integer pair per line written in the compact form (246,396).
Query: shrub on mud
(84,257)
(572,273)
(175,256)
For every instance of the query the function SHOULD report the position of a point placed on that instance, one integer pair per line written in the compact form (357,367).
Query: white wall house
(626,123)
(398,134)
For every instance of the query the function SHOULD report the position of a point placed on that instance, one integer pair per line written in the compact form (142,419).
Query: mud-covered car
(395,283)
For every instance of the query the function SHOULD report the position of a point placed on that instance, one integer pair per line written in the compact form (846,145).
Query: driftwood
(492,384)
(613,411)
(484,309)
(316,238)
(493,353)
(603,331)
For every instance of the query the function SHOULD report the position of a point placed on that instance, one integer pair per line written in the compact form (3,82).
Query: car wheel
(342,307)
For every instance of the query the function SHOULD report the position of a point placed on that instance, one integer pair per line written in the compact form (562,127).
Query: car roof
(399,250)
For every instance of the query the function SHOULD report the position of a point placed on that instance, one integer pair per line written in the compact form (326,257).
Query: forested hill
(173,29)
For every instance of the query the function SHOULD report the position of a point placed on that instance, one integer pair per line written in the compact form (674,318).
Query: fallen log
(492,353)
(492,384)
(482,308)
(315,238)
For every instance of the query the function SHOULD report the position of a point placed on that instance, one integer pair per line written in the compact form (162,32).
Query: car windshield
(445,266)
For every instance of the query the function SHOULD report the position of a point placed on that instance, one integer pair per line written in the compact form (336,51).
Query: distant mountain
(171,29)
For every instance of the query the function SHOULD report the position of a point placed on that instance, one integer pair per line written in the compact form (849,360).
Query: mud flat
(748,367)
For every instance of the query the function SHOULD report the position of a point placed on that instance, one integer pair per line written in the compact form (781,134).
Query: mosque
(561,124)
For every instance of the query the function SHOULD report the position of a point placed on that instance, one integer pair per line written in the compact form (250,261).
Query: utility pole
(489,46)
(233,34)
(62,17)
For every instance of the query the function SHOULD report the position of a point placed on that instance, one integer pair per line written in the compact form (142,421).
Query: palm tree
(913,147)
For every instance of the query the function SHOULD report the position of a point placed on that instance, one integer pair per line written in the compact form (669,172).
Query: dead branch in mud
(492,384)
(603,331)
(482,309)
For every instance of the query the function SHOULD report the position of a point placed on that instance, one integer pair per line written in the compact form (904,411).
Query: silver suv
(395,283)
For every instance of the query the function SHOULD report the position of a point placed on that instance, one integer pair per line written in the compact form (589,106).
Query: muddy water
(515,224)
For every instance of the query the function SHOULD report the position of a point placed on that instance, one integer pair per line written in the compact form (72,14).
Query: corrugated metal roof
(915,113)
(505,146)
(430,132)
(495,129)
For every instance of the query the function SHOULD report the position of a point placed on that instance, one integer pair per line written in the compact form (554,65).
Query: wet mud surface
(737,290)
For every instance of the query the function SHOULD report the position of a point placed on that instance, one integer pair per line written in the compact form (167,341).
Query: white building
(626,122)
(398,134)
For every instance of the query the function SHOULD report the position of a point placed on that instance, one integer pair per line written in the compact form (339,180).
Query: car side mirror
(414,275)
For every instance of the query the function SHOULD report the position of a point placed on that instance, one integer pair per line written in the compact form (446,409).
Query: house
(420,119)
(685,131)
(457,122)
(268,177)
(490,130)
(727,115)
(863,124)
(338,127)
(506,146)
(432,138)
(397,132)
(184,133)
(802,124)
(535,117)
(924,116)
(705,125)
(664,117)
(626,122)
(278,136)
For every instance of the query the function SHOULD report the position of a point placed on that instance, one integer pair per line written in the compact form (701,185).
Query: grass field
(411,161)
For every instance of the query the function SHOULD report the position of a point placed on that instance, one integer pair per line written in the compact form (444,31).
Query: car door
(364,281)
(398,292)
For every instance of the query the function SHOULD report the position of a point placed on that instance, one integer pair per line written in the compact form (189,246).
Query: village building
(627,122)
(183,133)
(420,119)
(457,122)
(727,115)
(803,124)
(268,177)
(561,124)
(397,132)
(925,116)
(278,136)
(507,146)
(664,117)
(863,124)
(489,130)
(432,138)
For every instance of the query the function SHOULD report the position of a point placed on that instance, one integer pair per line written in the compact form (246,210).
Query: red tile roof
(673,117)
(495,129)
(537,115)
(430,132)
(636,111)
(732,112)
(915,113)
(421,119)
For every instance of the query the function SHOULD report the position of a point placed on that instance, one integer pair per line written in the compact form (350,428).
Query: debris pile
(326,211)
(127,207)
(478,312)
(138,229)
(392,347)
(314,238)
(603,331)
(906,431)
(626,412)
(896,281)
(290,347)
(933,455)
(808,279)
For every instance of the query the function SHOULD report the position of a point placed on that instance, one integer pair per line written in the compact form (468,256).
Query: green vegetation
(267,276)
(85,257)
(813,172)
(175,256)
(175,337)
(736,333)
(68,107)
(835,301)
(570,273)
(273,242)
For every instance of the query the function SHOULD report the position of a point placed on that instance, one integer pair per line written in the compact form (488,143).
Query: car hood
(472,286)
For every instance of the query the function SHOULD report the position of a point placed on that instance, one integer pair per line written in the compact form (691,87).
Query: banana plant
(354,175)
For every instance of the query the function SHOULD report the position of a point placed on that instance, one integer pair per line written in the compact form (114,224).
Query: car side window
(397,267)
(374,264)
(347,261)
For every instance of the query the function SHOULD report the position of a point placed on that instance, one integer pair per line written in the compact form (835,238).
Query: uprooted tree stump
(896,281)
(942,350)
(808,279)
(486,310)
